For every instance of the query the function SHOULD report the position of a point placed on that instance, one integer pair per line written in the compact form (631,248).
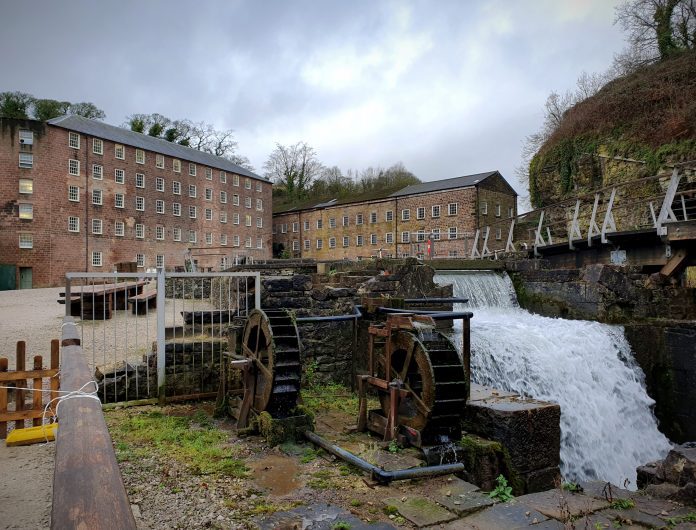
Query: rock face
(674,477)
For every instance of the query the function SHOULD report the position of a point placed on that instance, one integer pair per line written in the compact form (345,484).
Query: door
(25,274)
(8,277)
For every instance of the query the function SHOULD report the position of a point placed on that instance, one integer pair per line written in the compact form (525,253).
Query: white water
(607,424)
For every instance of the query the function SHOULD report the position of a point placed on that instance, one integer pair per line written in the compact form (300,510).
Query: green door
(25,277)
(7,277)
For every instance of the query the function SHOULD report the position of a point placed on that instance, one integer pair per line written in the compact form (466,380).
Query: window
(192,169)
(208,238)
(26,241)
(139,156)
(97,197)
(159,232)
(208,173)
(223,239)
(159,261)
(235,218)
(26,137)
(26,186)
(259,205)
(259,222)
(97,172)
(359,241)
(159,161)
(296,245)
(140,260)
(119,228)
(346,220)
(247,202)
(208,214)
(208,194)
(176,165)
(73,224)
(405,237)
(74,140)
(97,146)
(420,236)
(406,215)
(320,224)
(119,176)
(373,217)
(193,236)
(452,232)
(306,225)
(258,187)
(332,242)
(484,208)
(140,204)
(235,241)
(247,242)
(119,152)
(320,244)
(192,212)
(346,241)
(223,177)
(389,217)
(436,234)
(176,208)
(177,233)
(452,208)
(223,217)
(247,184)
(74,167)
(139,180)
(435,211)
(497,210)
(235,180)
(498,233)
(511,212)
(283,228)
(176,188)
(389,238)
(295,226)
(332,222)
(96,226)
(159,206)
(96,259)
(359,219)
(452,253)
(223,197)
(73,193)
(192,190)
(139,231)
(159,184)
(247,221)
(26,160)
(373,239)
(307,244)
(235,200)
(119,199)
(26,211)
(420,212)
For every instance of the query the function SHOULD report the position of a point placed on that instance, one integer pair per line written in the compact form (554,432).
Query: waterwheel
(429,367)
(271,343)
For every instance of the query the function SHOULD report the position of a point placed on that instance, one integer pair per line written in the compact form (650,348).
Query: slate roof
(446,184)
(149,143)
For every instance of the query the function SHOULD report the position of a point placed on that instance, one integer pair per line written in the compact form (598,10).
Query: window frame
(73,224)
(97,142)
(73,140)
(140,203)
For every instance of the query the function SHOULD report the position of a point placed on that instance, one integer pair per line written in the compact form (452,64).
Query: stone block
(420,510)
(302,282)
(465,503)
(553,503)
(505,516)
(277,284)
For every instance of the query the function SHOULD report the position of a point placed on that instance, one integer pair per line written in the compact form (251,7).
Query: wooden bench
(142,302)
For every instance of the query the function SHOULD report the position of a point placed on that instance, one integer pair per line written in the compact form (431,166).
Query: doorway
(25,277)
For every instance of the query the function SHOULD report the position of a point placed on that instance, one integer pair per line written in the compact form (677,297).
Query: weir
(607,424)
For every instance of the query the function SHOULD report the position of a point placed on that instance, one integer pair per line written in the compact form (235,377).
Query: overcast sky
(447,87)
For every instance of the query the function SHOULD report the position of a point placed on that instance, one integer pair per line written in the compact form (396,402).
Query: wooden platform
(141,303)
(97,301)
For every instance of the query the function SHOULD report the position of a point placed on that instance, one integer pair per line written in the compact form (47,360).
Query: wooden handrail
(88,490)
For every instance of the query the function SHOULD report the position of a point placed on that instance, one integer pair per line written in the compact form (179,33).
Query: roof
(150,143)
(446,184)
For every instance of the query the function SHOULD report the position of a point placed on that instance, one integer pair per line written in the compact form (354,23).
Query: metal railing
(157,335)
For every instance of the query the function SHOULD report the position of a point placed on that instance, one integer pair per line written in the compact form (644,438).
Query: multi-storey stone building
(436,219)
(81,195)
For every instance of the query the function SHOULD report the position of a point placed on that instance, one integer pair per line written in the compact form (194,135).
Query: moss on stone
(478,450)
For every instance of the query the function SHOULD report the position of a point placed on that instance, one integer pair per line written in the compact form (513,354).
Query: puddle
(276,473)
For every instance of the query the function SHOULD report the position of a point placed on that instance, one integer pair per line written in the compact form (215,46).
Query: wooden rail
(88,490)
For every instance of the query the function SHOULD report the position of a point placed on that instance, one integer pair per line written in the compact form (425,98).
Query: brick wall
(56,250)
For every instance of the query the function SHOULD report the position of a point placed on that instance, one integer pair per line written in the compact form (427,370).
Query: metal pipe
(380,475)
(454,299)
(331,318)
(435,315)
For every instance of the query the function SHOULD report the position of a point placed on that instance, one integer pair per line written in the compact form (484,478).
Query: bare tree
(293,167)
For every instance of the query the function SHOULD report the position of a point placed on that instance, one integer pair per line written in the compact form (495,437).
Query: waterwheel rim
(257,345)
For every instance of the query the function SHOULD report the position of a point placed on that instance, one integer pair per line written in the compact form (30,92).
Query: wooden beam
(675,263)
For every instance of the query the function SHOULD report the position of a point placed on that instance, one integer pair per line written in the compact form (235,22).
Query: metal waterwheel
(271,342)
(430,369)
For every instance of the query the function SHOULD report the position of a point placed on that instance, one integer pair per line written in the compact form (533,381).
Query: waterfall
(607,424)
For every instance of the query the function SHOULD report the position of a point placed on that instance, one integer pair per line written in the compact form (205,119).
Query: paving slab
(456,486)
(635,516)
(557,504)
(395,461)
(420,510)
(467,503)
(599,490)
(316,517)
(659,507)
(506,516)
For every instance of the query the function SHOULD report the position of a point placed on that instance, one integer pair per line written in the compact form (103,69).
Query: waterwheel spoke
(264,369)
(419,402)
(407,362)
